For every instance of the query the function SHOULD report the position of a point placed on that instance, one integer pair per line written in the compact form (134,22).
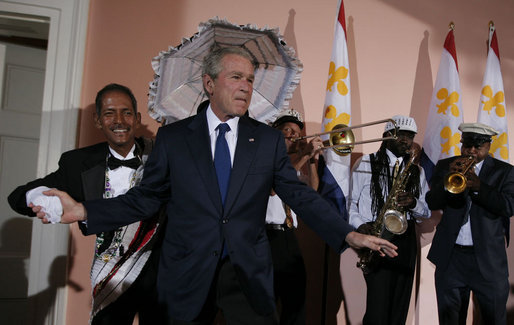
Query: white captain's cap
(404,123)
(476,133)
(478,128)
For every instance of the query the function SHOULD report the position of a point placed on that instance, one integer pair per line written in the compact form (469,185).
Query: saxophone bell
(395,221)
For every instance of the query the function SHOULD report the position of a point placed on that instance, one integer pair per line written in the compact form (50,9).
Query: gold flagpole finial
(451,25)
(491,23)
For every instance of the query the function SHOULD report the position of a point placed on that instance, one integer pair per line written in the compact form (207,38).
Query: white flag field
(335,175)
(442,137)
(492,110)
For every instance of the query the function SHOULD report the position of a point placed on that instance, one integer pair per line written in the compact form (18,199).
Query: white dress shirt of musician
(304,157)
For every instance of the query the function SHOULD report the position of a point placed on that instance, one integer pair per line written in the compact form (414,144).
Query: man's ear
(208,84)
(138,119)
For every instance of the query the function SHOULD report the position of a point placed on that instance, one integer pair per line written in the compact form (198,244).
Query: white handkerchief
(51,205)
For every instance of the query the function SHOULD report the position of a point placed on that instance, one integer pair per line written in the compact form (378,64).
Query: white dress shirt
(231,136)
(360,195)
(464,238)
(120,178)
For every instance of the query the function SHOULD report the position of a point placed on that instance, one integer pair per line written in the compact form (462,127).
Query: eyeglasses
(471,145)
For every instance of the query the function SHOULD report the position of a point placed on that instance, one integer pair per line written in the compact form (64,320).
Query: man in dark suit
(124,270)
(468,248)
(214,171)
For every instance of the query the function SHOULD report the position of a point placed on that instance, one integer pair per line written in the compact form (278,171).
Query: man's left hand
(382,246)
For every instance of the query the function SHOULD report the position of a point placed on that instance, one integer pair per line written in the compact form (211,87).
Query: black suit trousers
(453,287)
(389,285)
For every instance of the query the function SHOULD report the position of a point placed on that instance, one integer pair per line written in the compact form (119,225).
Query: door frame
(61,103)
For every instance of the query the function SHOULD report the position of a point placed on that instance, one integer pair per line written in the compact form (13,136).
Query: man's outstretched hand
(72,210)
(383,247)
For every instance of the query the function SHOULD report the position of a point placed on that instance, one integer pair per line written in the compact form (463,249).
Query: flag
(334,168)
(442,137)
(492,109)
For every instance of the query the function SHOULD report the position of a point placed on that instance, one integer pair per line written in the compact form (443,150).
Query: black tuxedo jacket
(81,174)
(490,211)
(180,174)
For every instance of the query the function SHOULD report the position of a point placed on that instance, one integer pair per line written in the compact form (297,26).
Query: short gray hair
(212,62)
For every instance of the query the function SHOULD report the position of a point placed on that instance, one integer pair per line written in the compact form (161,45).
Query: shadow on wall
(33,309)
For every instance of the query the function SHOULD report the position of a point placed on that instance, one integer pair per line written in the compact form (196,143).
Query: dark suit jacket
(490,211)
(180,173)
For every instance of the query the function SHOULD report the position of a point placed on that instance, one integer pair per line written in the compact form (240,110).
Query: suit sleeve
(498,199)
(140,202)
(57,179)
(315,211)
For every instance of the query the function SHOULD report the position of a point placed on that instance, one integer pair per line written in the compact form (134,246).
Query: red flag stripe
(494,45)
(341,18)
(449,45)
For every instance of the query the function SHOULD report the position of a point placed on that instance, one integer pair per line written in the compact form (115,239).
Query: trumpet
(455,182)
(342,139)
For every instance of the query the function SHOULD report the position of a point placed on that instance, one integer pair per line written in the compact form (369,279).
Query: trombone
(342,140)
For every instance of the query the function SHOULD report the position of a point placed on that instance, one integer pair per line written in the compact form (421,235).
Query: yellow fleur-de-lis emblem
(331,113)
(453,141)
(494,100)
(500,143)
(337,76)
(448,101)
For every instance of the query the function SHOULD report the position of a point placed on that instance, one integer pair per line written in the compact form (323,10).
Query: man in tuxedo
(124,270)
(214,172)
(468,248)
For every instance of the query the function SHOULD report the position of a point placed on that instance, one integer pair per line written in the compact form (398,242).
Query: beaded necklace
(116,248)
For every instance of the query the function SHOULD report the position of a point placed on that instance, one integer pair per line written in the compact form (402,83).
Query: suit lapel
(246,148)
(199,145)
(93,175)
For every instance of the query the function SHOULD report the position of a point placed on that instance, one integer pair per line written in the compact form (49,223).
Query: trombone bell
(342,142)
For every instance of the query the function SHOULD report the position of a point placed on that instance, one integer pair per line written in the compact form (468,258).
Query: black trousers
(289,276)
(140,298)
(453,287)
(226,295)
(389,285)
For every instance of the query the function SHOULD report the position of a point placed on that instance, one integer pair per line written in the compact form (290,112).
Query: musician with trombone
(476,195)
(386,196)
(289,275)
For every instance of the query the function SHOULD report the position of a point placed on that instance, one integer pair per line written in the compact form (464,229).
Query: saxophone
(391,218)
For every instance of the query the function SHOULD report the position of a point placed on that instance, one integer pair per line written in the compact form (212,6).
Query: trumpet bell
(340,138)
(395,221)
(455,183)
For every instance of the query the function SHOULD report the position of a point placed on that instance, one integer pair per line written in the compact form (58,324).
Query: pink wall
(394,48)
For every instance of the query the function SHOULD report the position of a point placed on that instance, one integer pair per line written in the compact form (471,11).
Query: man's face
(118,121)
(401,145)
(479,152)
(231,92)
(290,130)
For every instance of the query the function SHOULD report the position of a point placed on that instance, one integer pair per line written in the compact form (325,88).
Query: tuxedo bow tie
(114,163)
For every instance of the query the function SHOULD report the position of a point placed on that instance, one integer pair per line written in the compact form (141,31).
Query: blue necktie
(222,160)
(223,167)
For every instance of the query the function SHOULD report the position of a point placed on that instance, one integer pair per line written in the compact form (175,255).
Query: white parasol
(177,90)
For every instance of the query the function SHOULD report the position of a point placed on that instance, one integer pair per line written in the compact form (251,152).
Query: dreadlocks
(381,177)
